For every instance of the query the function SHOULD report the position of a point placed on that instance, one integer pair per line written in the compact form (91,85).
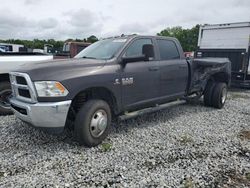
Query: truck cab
(166,66)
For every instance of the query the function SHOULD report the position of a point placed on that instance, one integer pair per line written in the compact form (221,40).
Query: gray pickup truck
(119,77)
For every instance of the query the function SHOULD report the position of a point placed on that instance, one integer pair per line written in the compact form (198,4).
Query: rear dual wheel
(219,95)
(215,94)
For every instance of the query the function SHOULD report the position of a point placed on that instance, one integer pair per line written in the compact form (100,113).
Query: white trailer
(9,62)
(230,40)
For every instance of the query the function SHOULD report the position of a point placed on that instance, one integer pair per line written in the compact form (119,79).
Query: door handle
(153,68)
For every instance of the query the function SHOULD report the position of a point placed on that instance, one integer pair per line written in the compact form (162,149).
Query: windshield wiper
(85,57)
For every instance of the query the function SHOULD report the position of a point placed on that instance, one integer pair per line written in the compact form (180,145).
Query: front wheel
(93,123)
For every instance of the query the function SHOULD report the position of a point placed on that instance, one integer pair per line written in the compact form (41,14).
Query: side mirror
(126,60)
(148,54)
(148,51)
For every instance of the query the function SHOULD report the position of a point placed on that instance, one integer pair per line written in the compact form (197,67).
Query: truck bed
(202,68)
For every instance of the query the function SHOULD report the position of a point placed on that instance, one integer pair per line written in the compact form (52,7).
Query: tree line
(39,44)
(187,37)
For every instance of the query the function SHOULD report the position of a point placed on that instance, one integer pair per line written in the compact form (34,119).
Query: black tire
(84,132)
(5,91)
(208,93)
(219,95)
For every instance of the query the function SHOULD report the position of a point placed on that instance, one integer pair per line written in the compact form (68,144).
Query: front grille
(24,93)
(21,80)
(22,87)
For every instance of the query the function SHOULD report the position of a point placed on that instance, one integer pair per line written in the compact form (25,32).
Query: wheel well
(88,94)
(94,93)
(4,77)
(220,77)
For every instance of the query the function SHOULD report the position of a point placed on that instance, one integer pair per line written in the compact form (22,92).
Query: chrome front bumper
(46,115)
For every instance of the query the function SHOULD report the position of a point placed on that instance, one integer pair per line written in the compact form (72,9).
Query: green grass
(106,147)
(185,139)
(1,174)
(248,176)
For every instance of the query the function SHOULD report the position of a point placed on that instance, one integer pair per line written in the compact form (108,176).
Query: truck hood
(61,69)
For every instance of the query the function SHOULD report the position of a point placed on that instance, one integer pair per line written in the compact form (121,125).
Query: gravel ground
(183,146)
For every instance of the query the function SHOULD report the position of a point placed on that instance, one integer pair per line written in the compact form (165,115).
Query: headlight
(50,89)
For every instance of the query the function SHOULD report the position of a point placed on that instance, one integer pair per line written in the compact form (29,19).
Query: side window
(168,49)
(135,49)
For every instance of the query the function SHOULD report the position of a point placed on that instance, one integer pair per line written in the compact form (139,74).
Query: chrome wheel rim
(224,95)
(98,124)
(4,99)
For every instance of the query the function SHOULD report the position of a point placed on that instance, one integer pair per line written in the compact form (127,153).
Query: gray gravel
(183,146)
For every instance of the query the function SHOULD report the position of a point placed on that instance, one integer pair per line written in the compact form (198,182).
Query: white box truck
(5,47)
(230,40)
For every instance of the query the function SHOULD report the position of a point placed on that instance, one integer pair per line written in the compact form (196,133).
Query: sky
(63,19)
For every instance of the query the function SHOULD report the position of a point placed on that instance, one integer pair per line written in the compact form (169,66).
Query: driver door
(140,80)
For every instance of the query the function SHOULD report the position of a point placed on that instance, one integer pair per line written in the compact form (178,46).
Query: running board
(129,115)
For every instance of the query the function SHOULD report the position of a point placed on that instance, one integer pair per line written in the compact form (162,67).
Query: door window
(135,49)
(168,50)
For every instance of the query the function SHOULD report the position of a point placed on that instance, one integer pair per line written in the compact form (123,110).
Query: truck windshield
(104,49)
